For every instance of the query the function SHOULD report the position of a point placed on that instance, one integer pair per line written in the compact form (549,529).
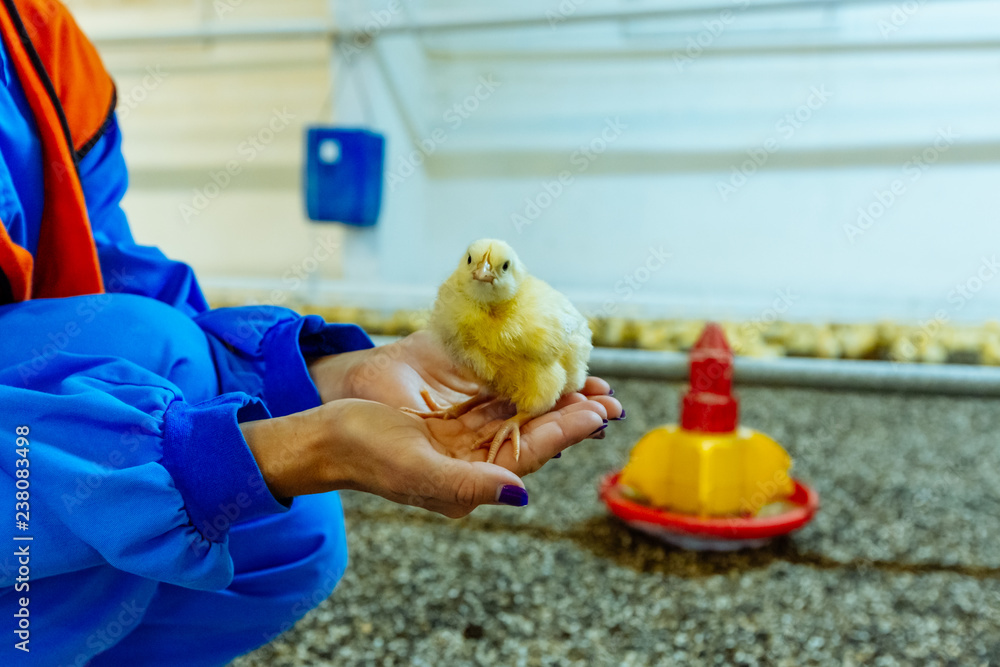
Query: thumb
(474,484)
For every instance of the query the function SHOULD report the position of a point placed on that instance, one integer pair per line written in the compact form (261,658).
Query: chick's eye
(470,260)
(506,265)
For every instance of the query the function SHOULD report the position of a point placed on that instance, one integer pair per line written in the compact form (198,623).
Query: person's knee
(284,564)
(150,334)
(140,330)
(317,584)
(159,338)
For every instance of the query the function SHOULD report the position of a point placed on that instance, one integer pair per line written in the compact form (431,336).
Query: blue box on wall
(344,174)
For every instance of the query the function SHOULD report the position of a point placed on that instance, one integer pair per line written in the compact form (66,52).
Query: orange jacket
(72,97)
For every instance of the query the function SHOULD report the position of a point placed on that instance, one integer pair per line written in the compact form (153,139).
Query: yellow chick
(521,338)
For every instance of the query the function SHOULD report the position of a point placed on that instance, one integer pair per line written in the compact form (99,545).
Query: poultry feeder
(708,483)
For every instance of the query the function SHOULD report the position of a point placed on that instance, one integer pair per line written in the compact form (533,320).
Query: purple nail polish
(611,392)
(512,495)
(599,428)
(621,417)
(558,455)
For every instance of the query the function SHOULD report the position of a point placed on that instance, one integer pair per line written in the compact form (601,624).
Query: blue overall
(153,537)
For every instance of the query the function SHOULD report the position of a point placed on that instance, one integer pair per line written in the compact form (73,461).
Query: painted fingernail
(621,417)
(599,428)
(558,455)
(611,392)
(512,495)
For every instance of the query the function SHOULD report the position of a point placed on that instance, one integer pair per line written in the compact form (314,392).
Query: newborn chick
(522,339)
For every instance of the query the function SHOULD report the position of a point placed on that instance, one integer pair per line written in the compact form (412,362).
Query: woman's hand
(359,439)
(429,463)
(395,374)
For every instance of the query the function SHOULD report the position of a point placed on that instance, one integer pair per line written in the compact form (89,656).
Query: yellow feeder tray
(708,466)
(706,474)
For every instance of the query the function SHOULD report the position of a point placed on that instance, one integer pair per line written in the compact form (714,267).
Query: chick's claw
(510,429)
(435,409)
(454,412)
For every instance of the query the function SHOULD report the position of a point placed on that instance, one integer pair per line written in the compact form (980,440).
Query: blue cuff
(288,386)
(206,455)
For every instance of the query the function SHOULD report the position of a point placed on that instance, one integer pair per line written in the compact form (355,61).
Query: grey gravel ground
(900,567)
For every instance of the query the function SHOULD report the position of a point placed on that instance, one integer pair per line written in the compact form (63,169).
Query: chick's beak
(484,272)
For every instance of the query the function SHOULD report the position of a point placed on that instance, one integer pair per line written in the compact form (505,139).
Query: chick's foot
(454,412)
(509,429)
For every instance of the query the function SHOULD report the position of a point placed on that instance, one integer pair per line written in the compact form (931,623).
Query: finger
(595,386)
(577,421)
(612,407)
(473,484)
(588,404)
(484,423)
(597,420)
(569,399)
(544,438)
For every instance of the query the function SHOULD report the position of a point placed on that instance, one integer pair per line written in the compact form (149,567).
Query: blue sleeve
(260,350)
(121,470)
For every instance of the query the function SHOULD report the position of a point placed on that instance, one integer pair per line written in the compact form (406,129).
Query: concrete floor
(900,567)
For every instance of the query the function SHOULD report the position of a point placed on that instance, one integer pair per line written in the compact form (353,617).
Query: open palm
(435,463)
(395,374)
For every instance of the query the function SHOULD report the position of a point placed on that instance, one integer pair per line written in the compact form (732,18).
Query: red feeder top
(709,405)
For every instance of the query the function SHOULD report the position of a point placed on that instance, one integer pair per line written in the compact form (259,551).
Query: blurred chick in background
(521,338)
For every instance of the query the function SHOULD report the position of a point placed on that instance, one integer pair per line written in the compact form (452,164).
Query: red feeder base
(710,533)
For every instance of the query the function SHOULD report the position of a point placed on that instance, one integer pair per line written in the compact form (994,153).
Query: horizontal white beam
(313,29)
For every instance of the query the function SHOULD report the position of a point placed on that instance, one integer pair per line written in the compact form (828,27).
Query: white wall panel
(693,115)
(689,127)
